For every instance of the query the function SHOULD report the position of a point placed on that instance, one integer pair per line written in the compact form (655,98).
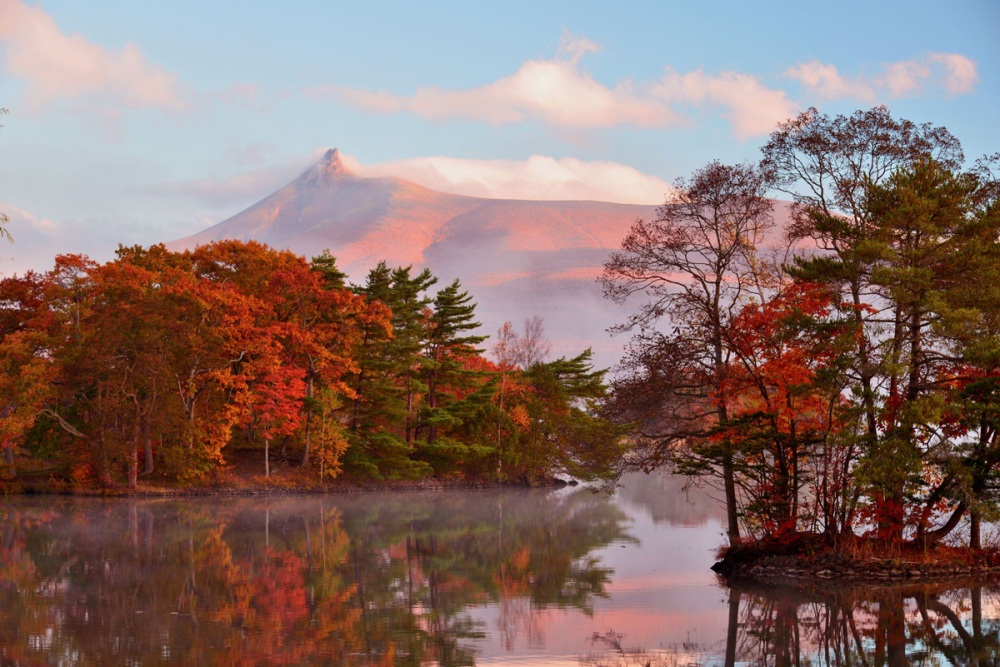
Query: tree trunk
(133,467)
(729,481)
(147,441)
(309,416)
(975,530)
(8,452)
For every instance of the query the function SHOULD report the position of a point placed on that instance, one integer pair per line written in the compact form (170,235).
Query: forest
(162,367)
(833,366)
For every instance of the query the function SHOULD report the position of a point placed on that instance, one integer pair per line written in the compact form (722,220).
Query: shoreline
(861,560)
(276,488)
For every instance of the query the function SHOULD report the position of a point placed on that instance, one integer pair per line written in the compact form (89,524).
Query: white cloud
(824,79)
(960,74)
(538,177)
(555,91)
(559,92)
(57,66)
(751,107)
(575,48)
(953,72)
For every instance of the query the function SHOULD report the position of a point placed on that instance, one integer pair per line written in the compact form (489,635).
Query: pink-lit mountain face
(517,258)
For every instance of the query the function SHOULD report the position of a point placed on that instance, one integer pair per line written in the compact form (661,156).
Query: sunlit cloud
(555,91)
(561,93)
(960,75)
(57,66)
(751,107)
(539,177)
(952,72)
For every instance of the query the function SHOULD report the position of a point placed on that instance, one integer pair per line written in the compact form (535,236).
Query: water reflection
(894,625)
(482,577)
(350,580)
(888,626)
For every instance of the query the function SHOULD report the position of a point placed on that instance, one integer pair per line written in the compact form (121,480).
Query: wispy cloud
(37,239)
(556,91)
(952,72)
(751,107)
(237,186)
(539,177)
(561,93)
(58,66)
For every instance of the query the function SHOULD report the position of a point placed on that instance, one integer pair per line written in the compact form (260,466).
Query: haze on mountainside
(518,258)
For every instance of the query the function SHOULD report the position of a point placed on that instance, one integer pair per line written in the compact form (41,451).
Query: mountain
(517,258)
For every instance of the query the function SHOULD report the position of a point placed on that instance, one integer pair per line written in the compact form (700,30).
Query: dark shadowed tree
(691,268)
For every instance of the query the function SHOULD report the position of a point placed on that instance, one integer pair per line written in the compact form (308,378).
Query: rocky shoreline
(903,563)
(877,570)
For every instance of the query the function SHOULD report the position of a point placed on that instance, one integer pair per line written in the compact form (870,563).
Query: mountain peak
(329,168)
(333,165)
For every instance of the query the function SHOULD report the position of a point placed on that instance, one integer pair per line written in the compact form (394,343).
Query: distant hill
(518,258)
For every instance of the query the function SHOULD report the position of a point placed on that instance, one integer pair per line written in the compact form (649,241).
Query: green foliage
(162,365)
(852,388)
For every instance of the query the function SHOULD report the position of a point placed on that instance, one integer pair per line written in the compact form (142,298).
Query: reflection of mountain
(670,498)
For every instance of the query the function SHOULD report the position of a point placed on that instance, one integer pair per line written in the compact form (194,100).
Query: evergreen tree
(449,343)
(326,265)
(387,387)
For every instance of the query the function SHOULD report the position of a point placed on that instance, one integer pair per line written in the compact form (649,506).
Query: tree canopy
(838,376)
(165,365)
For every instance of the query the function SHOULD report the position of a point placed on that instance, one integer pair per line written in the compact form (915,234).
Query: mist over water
(534,577)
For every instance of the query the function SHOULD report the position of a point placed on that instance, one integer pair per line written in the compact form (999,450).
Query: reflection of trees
(892,625)
(873,627)
(351,580)
(671,499)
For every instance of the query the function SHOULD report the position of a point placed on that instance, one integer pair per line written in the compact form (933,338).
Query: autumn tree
(691,268)
(832,166)
(786,410)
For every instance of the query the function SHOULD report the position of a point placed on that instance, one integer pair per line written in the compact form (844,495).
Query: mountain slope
(518,258)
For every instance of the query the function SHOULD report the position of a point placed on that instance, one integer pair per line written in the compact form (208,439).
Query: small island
(830,366)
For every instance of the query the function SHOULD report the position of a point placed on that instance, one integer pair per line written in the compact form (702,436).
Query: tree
(785,394)
(387,384)
(877,249)
(449,342)
(695,265)
(565,432)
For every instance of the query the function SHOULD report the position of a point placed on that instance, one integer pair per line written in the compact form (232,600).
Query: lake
(484,577)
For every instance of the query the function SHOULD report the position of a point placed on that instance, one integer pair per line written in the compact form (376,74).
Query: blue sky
(144,122)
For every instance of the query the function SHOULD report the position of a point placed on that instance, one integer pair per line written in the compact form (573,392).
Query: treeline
(840,375)
(167,362)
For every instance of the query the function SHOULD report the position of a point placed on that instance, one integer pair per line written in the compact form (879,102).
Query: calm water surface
(528,577)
